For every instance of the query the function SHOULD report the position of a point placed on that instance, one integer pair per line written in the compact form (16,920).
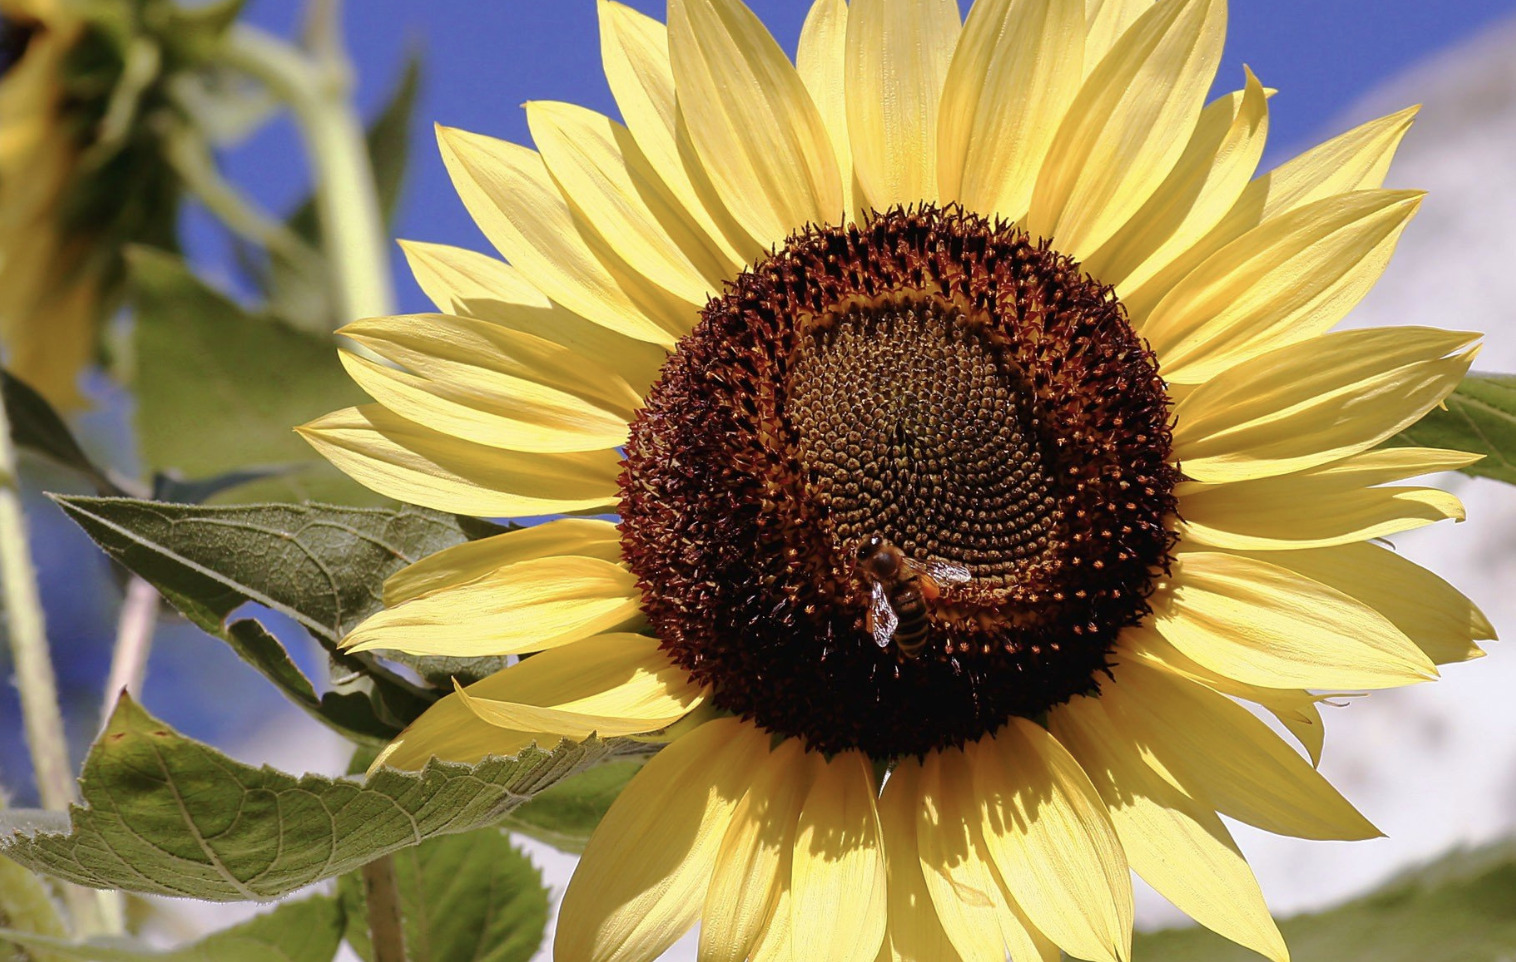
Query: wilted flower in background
(971,416)
(50,292)
(86,121)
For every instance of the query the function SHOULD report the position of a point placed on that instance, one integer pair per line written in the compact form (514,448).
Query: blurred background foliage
(193,196)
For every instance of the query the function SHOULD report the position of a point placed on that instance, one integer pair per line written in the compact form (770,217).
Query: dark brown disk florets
(937,382)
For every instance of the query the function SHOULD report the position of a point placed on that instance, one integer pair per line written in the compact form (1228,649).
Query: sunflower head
(958,392)
(970,412)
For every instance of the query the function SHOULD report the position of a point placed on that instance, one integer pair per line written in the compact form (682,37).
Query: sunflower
(49,305)
(978,446)
(84,113)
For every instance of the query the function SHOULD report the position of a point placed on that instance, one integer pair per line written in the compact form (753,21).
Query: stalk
(21,603)
(385,928)
(134,642)
(347,200)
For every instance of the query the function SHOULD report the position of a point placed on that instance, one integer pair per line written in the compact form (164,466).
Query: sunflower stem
(134,642)
(381,889)
(317,88)
(26,627)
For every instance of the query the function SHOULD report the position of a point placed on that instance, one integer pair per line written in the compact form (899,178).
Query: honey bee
(900,591)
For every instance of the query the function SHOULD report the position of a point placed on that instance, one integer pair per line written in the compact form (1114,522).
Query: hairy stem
(21,604)
(382,890)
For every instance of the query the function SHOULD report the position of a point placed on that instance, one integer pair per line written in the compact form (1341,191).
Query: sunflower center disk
(918,429)
(903,481)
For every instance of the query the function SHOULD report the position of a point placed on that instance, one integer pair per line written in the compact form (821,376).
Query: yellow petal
(1105,21)
(1328,505)
(897,62)
(1128,126)
(1177,845)
(474,285)
(493,361)
(1012,79)
(606,669)
(1432,613)
(979,917)
(837,885)
(472,560)
(821,61)
(1265,625)
(615,189)
(509,193)
(1356,160)
(753,864)
(515,414)
(1287,280)
(915,932)
(449,731)
(454,276)
(635,49)
(1296,708)
(776,943)
(1052,841)
(751,122)
(408,462)
(1222,154)
(614,684)
(1223,756)
(644,874)
(1323,399)
(526,606)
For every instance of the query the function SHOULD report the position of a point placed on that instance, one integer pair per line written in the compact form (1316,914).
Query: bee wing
(946,573)
(884,618)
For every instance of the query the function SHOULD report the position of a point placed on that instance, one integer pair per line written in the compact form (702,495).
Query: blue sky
(485,58)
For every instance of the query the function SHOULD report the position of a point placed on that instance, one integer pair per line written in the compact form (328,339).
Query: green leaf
(371,714)
(306,931)
(1479,417)
(219,389)
(167,487)
(166,815)
(27,908)
(566,815)
(465,898)
(322,566)
(37,428)
(1457,909)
